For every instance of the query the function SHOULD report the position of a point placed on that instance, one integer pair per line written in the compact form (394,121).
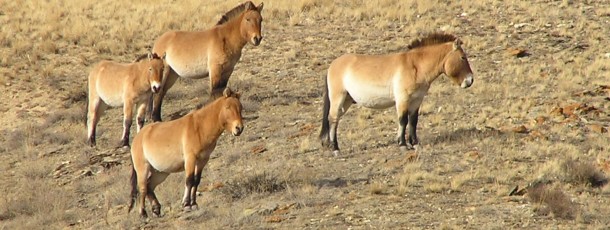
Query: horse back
(187,51)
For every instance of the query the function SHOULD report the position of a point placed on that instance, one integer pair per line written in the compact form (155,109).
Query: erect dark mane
(432,39)
(235,12)
(145,56)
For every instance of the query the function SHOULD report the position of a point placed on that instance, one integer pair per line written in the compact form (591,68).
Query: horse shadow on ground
(464,135)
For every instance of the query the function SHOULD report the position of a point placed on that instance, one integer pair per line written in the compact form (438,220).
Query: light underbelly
(164,161)
(112,99)
(196,68)
(369,95)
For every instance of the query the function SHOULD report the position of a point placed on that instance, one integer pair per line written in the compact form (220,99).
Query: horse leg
(155,179)
(127,119)
(157,98)
(337,109)
(198,170)
(189,173)
(94,112)
(142,171)
(403,120)
(413,116)
(140,116)
(218,81)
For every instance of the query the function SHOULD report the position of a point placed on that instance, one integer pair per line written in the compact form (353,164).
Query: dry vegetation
(538,114)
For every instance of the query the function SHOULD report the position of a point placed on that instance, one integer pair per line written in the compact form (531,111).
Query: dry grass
(554,200)
(47,48)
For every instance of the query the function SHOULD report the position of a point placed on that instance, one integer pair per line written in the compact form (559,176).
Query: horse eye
(464,58)
(247,19)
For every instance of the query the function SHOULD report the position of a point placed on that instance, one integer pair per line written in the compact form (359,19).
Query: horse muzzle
(256,40)
(467,81)
(237,130)
(155,88)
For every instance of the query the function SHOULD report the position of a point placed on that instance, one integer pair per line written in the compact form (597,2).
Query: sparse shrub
(257,183)
(554,201)
(583,173)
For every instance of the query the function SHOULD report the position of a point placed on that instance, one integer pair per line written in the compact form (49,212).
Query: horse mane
(432,39)
(145,56)
(233,13)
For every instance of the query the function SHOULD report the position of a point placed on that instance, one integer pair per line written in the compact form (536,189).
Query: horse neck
(231,34)
(207,120)
(434,65)
(140,80)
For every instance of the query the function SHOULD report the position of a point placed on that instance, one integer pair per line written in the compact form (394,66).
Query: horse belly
(370,96)
(112,99)
(195,68)
(165,161)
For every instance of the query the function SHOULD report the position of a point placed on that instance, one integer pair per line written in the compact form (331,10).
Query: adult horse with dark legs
(184,144)
(400,79)
(213,52)
(128,85)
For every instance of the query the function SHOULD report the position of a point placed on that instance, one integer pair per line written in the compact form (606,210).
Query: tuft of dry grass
(583,173)
(264,183)
(554,200)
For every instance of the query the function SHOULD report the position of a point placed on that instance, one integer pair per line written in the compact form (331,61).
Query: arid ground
(536,117)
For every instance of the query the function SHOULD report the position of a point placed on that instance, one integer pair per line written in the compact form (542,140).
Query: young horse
(400,79)
(212,52)
(184,144)
(116,84)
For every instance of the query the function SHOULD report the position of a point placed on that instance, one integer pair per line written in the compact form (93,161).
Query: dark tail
(324,138)
(134,189)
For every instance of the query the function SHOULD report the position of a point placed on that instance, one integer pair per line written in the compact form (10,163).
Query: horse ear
(150,55)
(164,55)
(259,8)
(227,92)
(457,44)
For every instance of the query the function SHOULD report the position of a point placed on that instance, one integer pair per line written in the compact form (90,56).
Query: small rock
(520,129)
(473,155)
(274,219)
(598,128)
(540,120)
(249,212)
(517,52)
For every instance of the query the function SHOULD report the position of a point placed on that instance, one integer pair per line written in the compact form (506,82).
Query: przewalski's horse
(400,79)
(184,144)
(128,85)
(212,52)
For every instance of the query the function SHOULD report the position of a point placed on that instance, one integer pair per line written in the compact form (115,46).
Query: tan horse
(128,85)
(212,52)
(400,79)
(184,144)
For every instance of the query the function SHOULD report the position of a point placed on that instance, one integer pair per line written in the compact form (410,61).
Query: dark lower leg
(402,123)
(413,117)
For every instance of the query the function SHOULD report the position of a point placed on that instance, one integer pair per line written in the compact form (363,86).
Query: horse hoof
(194,207)
(404,148)
(187,208)
(156,212)
(336,153)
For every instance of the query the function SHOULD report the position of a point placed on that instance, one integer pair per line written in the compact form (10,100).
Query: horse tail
(134,189)
(325,111)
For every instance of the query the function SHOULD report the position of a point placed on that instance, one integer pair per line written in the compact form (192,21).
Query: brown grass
(47,48)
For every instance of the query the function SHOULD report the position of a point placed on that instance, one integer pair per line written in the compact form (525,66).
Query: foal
(117,84)
(184,144)
(400,80)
